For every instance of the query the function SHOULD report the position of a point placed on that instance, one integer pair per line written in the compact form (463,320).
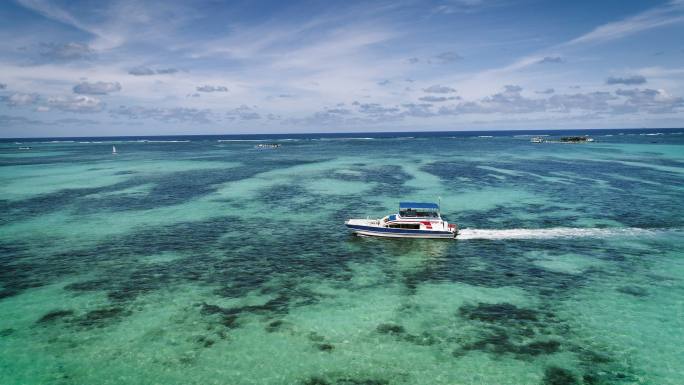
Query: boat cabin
(418,210)
(414,216)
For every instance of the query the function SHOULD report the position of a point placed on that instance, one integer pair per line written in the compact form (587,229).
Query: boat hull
(377,231)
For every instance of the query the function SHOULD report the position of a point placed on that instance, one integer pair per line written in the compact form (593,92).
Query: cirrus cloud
(66,51)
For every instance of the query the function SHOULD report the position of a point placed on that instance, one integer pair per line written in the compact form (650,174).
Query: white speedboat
(414,220)
(262,146)
(537,139)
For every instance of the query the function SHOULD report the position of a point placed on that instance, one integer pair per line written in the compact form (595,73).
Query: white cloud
(551,60)
(628,80)
(97,88)
(438,89)
(147,71)
(210,88)
(78,103)
(445,57)
(21,99)
(244,113)
(437,99)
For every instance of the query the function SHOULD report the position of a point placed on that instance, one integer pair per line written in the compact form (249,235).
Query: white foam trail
(556,232)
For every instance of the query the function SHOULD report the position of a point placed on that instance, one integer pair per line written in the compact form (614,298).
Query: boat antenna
(439,204)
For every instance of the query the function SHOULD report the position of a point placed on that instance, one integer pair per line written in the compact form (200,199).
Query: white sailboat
(113,150)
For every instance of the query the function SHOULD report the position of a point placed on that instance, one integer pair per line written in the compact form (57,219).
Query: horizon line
(343,133)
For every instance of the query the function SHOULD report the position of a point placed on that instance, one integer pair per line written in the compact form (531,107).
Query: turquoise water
(199,261)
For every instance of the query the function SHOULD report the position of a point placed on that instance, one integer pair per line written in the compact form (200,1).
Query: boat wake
(557,232)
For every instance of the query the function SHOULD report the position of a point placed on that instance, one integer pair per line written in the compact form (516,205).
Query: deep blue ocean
(376,135)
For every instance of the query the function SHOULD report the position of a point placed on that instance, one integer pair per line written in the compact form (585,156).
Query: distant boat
(113,150)
(267,145)
(537,139)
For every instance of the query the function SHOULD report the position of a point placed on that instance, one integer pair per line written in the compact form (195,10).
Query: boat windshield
(418,214)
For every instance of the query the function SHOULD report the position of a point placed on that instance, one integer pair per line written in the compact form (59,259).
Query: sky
(99,68)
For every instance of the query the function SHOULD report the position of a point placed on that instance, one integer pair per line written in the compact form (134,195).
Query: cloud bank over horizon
(143,68)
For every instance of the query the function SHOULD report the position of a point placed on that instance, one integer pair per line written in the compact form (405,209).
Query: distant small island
(576,139)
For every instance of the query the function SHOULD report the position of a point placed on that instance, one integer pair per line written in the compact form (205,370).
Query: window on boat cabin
(418,214)
(413,226)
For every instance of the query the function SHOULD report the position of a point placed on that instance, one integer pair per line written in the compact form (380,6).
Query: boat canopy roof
(418,206)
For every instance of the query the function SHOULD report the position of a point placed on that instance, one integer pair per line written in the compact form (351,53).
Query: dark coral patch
(102,317)
(495,343)
(326,347)
(230,321)
(590,359)
(92,285)
(313,336)
(6,332)
(555,375)
(361,381)
(539,347)
(229,316)
(6,293)
(54,316)
(636,291)
(500,343)
(423,339)
(497,313)
(274,326)
(316,381)
(508,329)
(277,305)
(204,341)
(211,309)
(389,328)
